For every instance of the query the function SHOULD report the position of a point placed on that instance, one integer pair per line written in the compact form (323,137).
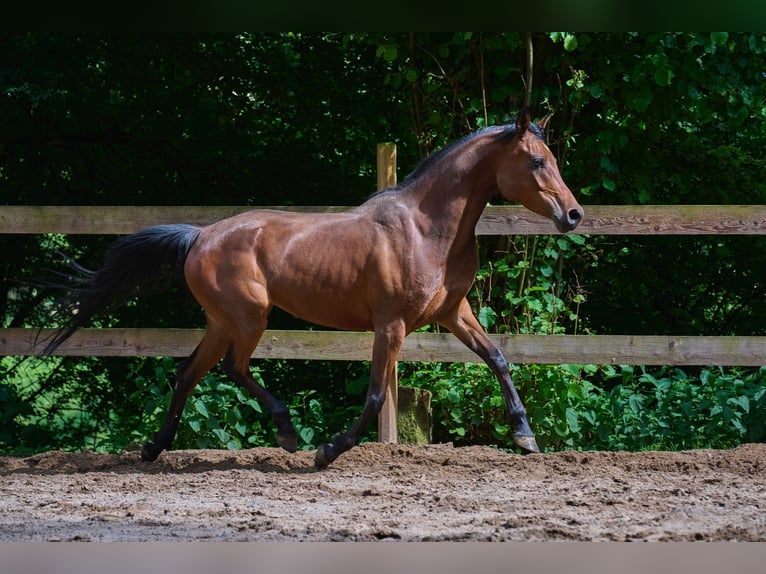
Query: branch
(528,76)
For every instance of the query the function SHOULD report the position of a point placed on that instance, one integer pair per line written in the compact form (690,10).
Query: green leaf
(201,408)
(256,406)
(307,435)
(641,99)
(576,239)
(221,435)
(390,53)
(570,42)
(487,317)
(636,403)
(357,386)
(572,420)
(663,77)
(744,402)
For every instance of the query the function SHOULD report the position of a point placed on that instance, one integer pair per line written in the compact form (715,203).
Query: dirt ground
(386,492)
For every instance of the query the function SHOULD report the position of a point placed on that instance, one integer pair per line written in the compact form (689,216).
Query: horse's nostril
(575,215)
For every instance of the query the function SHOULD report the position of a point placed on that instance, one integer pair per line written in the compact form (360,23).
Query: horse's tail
(139,263)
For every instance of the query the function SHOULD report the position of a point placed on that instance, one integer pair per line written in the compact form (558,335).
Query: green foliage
(36,414)
(468,407)
(13,408)
(58,406)
(671,410)
(293,118)
(220,414)
(587,407)
(666,118)
(522,286)
(317,421)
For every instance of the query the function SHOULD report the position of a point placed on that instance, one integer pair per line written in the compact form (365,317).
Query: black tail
(142,262)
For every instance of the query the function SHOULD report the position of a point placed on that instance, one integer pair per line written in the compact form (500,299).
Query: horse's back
(313,265)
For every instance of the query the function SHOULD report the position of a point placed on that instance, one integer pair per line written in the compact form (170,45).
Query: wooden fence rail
(357,346)
(496,220)
(334,345)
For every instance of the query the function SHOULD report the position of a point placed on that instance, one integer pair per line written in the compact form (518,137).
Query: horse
(403,259)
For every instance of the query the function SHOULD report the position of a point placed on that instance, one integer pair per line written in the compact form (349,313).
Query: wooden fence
(496,220)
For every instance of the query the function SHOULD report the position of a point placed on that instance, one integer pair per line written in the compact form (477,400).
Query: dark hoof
(527,443)
(287,442)
(150,452)
(321,460)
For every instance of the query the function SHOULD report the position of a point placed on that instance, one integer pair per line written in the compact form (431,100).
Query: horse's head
(528,174)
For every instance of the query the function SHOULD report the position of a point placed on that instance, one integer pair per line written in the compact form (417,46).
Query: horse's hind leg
(462,323)
(188,374)
(236,364)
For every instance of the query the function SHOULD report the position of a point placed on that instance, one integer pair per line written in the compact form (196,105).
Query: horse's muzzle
(569,220)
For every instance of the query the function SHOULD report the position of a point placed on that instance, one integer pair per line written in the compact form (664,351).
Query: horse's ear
(543,123)
(522,121)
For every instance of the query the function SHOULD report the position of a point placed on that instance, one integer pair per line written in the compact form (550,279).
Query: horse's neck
(451,199)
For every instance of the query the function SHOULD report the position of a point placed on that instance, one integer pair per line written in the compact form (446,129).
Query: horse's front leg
(464,325)
(385,350)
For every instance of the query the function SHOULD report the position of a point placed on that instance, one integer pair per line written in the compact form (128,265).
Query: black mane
(501,132)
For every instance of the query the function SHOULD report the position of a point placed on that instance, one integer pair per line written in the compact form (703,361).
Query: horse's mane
(501,132)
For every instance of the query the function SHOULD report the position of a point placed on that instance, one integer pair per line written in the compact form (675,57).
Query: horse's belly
(337,310)
(326,294)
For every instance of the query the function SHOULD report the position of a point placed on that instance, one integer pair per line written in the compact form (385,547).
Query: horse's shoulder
(392,214)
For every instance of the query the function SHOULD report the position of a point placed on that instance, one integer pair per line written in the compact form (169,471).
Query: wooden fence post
(387,428)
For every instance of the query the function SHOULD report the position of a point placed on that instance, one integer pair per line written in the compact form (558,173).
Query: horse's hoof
(150,452)
(289,443)
(321,460)
(527,443)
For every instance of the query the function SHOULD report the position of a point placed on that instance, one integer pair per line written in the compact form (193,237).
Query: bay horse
(403,259)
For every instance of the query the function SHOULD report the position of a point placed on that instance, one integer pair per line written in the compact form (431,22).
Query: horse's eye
(538,163)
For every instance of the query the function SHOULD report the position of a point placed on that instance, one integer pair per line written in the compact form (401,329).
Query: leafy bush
(588,407)
(317,422)
(39,411)
(570,406)
(45,406)
(521,288)
(669,409)
(220,414)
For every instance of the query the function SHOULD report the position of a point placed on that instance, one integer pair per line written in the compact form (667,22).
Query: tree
(293,118)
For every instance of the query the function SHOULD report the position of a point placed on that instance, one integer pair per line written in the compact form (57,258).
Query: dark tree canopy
(294,118)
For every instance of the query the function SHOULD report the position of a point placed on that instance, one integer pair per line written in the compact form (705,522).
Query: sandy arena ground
(386,492)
